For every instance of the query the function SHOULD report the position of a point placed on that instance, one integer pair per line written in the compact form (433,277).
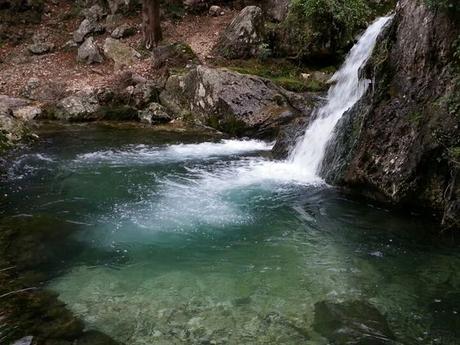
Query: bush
(323,29)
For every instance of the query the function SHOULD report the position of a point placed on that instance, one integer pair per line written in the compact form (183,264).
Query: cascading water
(307,155)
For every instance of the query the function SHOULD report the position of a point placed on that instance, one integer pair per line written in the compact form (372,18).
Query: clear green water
(211,243)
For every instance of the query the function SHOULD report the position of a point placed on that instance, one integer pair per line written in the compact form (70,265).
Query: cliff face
(400,143)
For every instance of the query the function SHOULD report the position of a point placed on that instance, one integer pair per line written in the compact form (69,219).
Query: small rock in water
(352,322)
(238,302)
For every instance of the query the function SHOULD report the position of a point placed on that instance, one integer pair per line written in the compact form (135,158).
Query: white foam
(144,154)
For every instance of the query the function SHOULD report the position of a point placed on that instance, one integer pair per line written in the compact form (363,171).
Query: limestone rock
(229,101)
(12,128)
(82,106)
(120,6)
(177,55)
(27,113)
(120,53)
(123,31)
(40,44)
(154,114)
(243,37)
(89,52)
(94,13)
(215,11)
(40,48)
(87,26)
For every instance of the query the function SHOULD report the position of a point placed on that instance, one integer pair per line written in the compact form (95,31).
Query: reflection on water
(213,243)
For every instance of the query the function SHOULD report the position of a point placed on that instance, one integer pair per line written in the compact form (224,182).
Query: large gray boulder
(82,106)
(89,52)
(154,114)
(88,26)
(120,53)
(232,102)
(244,36)
(13,126)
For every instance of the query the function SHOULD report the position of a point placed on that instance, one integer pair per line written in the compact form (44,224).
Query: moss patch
(281,72)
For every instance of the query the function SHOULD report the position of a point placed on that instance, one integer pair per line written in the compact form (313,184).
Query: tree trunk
(151,23)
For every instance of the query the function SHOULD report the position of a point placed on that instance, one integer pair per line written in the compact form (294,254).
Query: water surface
(183,240)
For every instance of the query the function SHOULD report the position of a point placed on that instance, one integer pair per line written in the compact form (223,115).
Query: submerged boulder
(244,36)
(352,323)
(232,102)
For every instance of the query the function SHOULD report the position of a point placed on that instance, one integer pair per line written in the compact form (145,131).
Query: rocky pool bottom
(145,237)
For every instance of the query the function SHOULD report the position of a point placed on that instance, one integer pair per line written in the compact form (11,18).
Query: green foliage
(415,117)
(264,52)
(444,5)
(333,22)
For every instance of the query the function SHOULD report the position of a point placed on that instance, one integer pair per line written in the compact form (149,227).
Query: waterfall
(348,88)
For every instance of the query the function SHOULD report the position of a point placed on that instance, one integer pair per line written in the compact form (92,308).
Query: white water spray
(308,154)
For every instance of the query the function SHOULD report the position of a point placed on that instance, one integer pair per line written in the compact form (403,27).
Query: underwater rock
(353,323)
(24,341)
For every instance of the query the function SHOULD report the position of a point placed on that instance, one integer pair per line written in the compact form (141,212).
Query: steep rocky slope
(400,143)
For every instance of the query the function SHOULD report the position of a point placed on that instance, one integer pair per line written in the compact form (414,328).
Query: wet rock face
(399,143)
(244,35)
(231,102)
(353,323)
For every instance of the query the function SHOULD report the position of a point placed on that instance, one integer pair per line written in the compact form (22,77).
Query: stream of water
(183,243)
